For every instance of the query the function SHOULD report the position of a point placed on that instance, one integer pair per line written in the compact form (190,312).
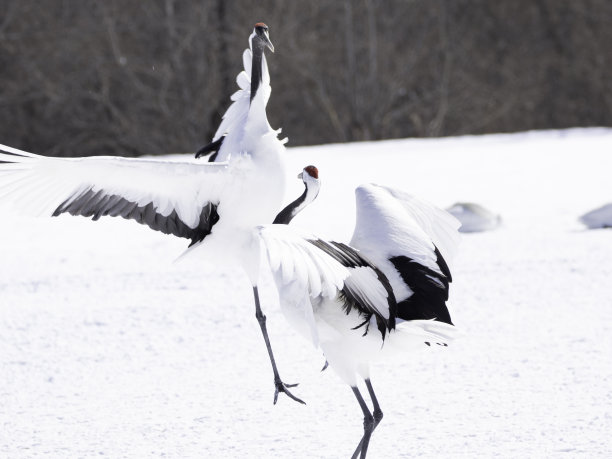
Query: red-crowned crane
(386,292)
(213,205)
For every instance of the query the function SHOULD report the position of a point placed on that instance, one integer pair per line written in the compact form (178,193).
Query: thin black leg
(372,419)
(278,383)
(368,426)
(378,414)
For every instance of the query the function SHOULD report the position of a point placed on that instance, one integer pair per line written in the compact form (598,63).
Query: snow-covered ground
(109,348)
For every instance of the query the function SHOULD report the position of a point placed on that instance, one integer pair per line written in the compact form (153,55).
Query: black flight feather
(430,290)
(100,203)
(352,259)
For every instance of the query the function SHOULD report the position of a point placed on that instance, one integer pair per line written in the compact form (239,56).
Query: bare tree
(130,77)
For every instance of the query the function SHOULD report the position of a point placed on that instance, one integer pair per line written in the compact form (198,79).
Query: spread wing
(413,242)
(179,198)
(305,266)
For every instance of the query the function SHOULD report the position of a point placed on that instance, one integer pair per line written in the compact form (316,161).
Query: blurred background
(151,77)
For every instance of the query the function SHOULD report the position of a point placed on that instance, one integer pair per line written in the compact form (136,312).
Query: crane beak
(267,41)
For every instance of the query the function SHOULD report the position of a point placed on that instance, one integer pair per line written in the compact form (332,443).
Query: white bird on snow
(474,217)
(384,293)
(214,205)
(598,218)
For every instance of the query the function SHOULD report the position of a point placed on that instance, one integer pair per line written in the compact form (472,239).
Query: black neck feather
(256,67)
(286,215)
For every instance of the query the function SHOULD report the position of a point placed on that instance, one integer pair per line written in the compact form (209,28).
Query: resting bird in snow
(473,217)
(213,205)
(598,218)
(384,293)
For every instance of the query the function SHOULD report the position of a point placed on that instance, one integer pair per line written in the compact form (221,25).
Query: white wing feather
(37,185)
(391,223)
(306,275)
(296,261)
(438,224)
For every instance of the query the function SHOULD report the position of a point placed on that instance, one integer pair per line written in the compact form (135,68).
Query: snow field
(108,348)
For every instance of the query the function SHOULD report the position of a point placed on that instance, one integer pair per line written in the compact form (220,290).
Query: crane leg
(370,420)
(280,386)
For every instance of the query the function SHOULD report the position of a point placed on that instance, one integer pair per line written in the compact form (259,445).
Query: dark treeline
(131,77)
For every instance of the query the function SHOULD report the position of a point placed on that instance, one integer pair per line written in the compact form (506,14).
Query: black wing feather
(212,147)
(352,259)
(430,289)
(100,203)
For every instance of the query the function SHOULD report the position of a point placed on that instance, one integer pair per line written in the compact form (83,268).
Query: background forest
(147,77)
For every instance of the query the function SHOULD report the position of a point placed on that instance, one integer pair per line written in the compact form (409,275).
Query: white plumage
(311,279)
(384,293)
(392,223)
(252,96)
(598,218)
(474,218)
(236,115)
(300,266)
(215,205)
(38,185)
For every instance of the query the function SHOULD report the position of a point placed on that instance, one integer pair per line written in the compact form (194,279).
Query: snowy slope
(109,348)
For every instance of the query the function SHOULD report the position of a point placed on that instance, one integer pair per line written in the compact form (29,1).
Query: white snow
(108,348)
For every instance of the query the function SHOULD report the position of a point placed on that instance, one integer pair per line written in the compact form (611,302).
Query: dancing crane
(213,205)
(384,293)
